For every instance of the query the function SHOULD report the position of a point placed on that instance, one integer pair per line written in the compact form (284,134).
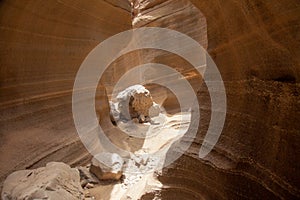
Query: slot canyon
(254,44)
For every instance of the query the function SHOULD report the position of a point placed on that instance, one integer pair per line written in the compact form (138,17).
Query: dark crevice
(286,79)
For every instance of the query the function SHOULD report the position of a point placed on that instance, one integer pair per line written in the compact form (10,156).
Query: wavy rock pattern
(255,45)
(43,44)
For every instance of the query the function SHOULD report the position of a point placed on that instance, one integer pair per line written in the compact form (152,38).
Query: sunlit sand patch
(143,168)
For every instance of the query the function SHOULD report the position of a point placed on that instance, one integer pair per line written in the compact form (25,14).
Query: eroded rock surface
(53,182)
(43,44)
(255,45)
(135,102)
(107,166)
(86,177)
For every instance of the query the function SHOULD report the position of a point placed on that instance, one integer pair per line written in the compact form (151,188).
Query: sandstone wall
(255,45)
(43,44)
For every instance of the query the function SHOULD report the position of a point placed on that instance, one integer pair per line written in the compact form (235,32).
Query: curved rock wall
(43,44)
(255,45)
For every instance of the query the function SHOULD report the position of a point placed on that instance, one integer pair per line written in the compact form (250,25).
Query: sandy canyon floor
(142,169)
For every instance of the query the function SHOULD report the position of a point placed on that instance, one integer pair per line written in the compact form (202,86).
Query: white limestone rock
(135,102)
(107,166)
(114,112)
(55,181)
(154,110)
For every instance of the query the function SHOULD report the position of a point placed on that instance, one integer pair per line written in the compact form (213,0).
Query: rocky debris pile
(87,179)
(142,162)
(135,102)
(55,181)
(138,166)
(107,166)
(60,181)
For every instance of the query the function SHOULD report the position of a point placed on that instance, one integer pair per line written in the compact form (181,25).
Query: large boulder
(135,102)
(107,166)
(55,181)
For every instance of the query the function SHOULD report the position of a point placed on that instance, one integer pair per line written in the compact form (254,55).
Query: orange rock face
(42,47)
(255,45)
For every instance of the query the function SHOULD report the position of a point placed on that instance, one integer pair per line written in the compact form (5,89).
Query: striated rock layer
(255,45)
(42,44)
